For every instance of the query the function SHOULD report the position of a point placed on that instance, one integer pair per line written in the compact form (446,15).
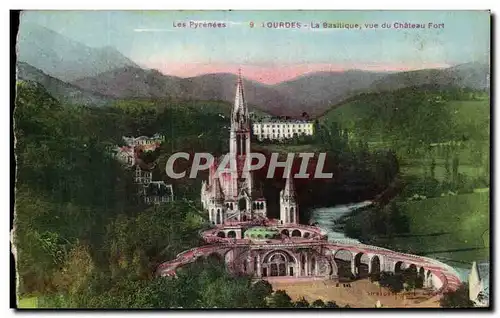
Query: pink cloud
(273,74)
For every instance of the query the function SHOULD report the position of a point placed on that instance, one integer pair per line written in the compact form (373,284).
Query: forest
(82,239)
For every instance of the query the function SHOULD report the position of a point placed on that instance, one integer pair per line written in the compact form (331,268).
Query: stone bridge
(359,259)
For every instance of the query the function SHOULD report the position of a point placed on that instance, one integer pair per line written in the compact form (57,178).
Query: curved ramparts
(448,277)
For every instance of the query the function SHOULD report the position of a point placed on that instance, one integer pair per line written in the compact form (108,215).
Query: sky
(272,55)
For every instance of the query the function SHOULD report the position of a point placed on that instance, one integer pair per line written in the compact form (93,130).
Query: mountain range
(73,71)
(62,57)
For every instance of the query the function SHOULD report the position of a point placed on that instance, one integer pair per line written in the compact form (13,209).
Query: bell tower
(289,209)
(239,141)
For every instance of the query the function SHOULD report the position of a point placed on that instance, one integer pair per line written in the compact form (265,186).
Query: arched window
(242,204)
(219,217)
(279,264)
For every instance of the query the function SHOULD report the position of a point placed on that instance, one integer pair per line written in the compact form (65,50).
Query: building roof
(262,231)
(282,121)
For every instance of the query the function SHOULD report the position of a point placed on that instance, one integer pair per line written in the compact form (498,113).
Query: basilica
(230,194)
(251,243)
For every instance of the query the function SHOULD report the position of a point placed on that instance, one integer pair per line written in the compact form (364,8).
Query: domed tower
(289,209)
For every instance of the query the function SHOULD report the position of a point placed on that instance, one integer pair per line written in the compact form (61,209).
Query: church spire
(289,190)
(240,107)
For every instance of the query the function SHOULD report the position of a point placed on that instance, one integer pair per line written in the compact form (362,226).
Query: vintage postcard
(252,159)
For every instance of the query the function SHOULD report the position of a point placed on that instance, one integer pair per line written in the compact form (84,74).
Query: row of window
(276,136)
(156,199)
(287,130)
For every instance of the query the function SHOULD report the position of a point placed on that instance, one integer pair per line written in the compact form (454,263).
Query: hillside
(425,112)
(62,91)
(455,234)
(132,82)
(470,75)
(312,92)
(64,58)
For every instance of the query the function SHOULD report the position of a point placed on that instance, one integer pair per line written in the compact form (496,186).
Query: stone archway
(398,267)
(411,275)
(296,233)
(279,263)
(375,265)
(285,232)
(421,278)
(344,261)
(361,265)
(428,278)
(221,234)
(231,234)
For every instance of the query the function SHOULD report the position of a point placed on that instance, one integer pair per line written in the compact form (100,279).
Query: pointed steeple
(474,273)
(217,191)
(289,190)
(240,107)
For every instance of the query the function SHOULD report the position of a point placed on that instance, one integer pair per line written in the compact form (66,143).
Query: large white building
(279,130)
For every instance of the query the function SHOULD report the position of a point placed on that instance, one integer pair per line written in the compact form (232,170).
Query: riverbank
(452,229)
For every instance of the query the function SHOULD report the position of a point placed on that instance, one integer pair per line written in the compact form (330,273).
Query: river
(325,219)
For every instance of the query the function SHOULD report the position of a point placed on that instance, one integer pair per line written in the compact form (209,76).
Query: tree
(259,292)
(302,303)
(318,303)
(331,304)
(395,282)
(280,299)
(457,299)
